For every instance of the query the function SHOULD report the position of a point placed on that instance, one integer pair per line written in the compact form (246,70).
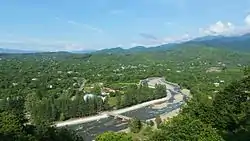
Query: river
(166,107)
(90,130)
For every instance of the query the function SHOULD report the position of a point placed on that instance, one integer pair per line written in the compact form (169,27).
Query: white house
(216,84)
(90,96)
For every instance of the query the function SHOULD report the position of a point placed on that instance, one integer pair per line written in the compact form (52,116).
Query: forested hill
(181,65)
(238,43)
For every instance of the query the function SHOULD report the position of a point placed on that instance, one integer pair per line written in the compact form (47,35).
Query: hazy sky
(96,24)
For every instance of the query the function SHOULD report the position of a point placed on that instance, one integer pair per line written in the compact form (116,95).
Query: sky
(56,25)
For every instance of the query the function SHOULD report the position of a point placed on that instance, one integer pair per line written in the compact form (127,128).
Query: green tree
(96,90)
(135,125)
(10,124)
(150,123)
(15,105)
(12,129)
(185,128)
(232,112)
(118,101)
(112,136)
(46,133)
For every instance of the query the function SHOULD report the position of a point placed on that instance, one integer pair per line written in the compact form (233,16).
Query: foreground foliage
(112,136)
(12,129)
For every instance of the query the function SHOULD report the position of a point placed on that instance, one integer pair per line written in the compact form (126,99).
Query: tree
(185,128)
(158,121)
(10,124)
(118,101)
(200,107)
(231,110)
(15,105)
(135,125)
(158,135)
(96,90)
(46,133)
(150,123)
(12,129)
(112,136)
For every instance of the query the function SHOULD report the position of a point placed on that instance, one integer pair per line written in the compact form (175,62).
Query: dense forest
(40,88)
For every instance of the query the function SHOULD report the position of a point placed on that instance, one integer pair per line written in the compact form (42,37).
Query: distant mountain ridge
(238,43)
(4,50)
(19,51)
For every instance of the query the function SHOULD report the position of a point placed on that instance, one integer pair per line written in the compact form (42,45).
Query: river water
(91,129)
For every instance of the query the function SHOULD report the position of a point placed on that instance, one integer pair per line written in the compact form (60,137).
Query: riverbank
(178,97)
(104,115)
(80,120)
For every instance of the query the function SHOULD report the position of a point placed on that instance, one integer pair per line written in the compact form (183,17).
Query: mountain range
(239,43)
(5,50)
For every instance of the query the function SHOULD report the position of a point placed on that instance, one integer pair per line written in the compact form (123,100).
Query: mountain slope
(239,43)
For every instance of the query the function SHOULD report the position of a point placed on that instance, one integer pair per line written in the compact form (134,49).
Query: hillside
(176,64)
(237,43)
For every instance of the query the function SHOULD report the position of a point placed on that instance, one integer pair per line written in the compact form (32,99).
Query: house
(14,84)
(50,86)
(107,91)
(90,96)
(222,81)
(34,79)
(216,84)
(70,72)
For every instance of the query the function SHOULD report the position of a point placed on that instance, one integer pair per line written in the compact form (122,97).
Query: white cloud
(168,39)
(219,28)
(226,28)
(136,44)
(247,20)
(73,47)
(120,45)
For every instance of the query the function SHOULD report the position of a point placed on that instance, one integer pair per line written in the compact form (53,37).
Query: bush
(135,125)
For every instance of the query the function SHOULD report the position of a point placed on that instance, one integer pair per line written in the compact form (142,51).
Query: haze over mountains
(239,43)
